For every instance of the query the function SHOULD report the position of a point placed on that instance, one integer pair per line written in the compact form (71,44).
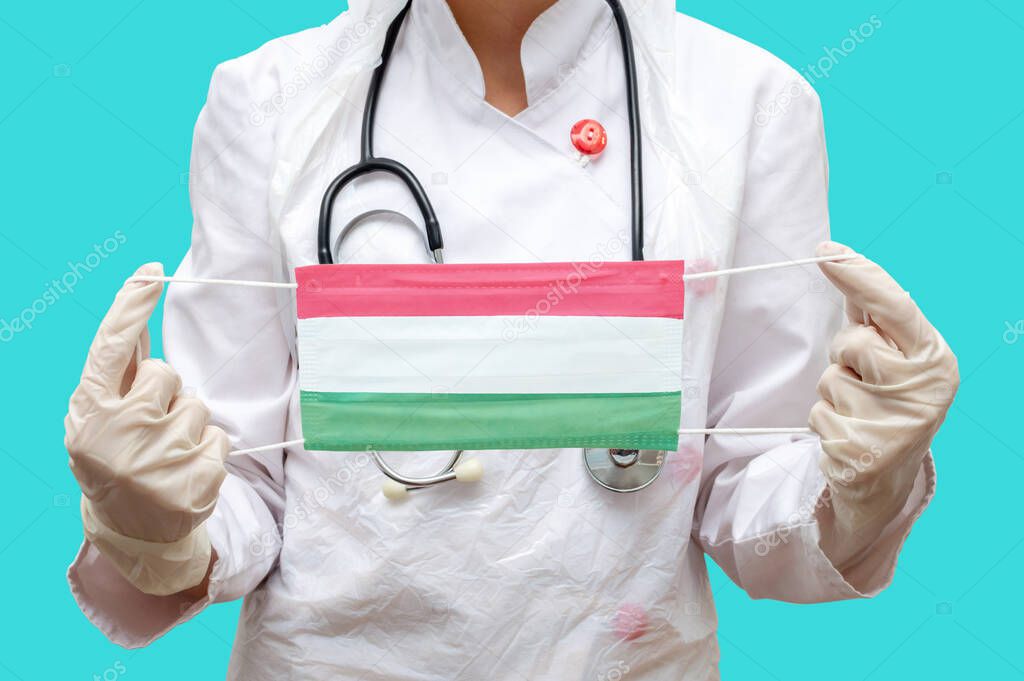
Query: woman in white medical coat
(534,572)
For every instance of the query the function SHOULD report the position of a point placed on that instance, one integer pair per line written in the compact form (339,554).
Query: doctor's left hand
(149,464)
(891,381)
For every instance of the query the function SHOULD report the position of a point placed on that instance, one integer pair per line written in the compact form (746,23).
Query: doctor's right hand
(149,464)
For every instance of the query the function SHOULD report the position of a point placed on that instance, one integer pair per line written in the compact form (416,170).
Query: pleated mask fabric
(490,356)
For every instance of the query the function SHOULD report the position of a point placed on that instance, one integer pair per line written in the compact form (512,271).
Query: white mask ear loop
(770,266)
(219,282)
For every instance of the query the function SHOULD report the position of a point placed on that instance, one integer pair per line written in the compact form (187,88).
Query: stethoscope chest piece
(623,470)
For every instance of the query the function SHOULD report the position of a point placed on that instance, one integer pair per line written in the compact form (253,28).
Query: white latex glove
(883,398)
(149,466)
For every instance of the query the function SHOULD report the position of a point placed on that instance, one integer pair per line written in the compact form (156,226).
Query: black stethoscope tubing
(368,163)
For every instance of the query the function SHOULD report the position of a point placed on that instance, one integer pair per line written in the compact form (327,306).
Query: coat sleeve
(757,509)
(232,347)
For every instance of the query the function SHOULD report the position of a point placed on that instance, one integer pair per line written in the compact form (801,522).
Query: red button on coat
(589,137)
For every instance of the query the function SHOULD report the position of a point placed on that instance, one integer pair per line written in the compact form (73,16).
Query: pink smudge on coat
(684,466)
(631,622)
(701,287)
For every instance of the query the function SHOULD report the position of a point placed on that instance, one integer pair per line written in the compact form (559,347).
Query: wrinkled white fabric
(149,464)
(535,571)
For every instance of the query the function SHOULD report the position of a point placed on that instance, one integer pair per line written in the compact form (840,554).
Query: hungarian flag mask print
(490,356)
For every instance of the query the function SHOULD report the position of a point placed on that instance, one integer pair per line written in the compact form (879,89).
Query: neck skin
(494,30)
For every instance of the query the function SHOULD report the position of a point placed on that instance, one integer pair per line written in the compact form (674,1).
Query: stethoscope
(618,470)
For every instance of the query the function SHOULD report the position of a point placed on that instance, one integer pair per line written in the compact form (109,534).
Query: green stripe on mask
(426,422)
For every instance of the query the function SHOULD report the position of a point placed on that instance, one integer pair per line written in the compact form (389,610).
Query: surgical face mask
(495,356)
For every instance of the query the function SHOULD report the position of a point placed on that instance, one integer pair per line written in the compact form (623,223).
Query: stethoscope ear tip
(394,491)
(469,471)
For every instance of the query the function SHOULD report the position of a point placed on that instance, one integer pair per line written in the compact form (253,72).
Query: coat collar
(308,136)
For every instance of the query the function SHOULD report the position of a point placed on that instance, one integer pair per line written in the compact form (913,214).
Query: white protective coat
(534,572)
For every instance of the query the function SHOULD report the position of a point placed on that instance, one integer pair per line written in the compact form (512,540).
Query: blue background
(924,131)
